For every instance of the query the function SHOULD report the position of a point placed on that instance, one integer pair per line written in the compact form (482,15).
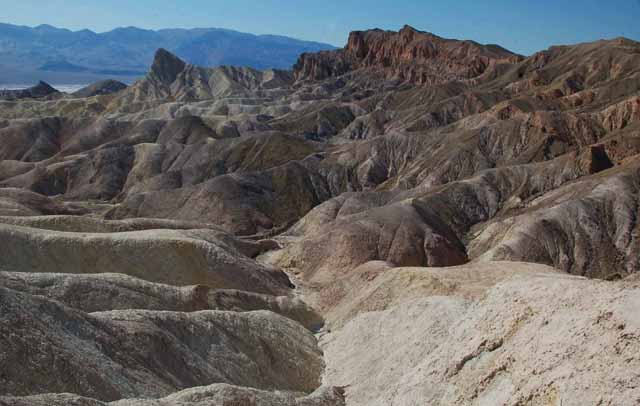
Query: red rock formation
(408,55)
(620,115)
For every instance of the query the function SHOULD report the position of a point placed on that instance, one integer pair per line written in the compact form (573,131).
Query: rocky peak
(42,89)
(166,66)
(356,44)
(409,54)
(408,29)
(100,88)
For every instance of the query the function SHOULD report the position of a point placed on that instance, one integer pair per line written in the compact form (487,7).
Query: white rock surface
(533,340)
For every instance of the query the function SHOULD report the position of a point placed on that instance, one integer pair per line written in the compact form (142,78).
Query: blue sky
(521,25)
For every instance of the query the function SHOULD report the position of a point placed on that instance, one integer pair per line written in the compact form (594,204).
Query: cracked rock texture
(535,339)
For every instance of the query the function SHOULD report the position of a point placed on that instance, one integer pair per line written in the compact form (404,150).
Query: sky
(522,26)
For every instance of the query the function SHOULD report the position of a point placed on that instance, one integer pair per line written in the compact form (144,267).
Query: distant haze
(523,26)
(61,56)
(61,87)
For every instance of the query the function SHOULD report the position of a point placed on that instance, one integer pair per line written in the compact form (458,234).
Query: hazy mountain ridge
(45,52)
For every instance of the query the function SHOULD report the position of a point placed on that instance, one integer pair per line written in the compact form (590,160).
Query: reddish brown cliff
(409,55)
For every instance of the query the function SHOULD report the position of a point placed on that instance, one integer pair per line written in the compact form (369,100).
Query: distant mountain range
(59,55)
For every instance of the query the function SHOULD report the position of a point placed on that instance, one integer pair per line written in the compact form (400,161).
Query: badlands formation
(410,220)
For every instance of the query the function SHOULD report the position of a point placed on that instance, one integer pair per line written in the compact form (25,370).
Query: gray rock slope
(178,257)
(217,394)
(105,292)
(48,347)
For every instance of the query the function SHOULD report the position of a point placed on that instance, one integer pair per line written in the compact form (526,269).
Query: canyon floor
(410,220)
